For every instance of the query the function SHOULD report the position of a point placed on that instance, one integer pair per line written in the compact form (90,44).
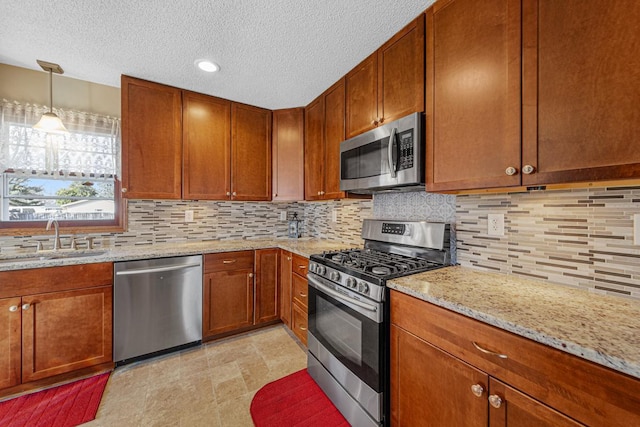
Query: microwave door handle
(393,153)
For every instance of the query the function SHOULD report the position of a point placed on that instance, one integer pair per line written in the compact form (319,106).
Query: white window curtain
(92,147)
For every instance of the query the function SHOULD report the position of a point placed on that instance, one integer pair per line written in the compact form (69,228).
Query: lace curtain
(92,147)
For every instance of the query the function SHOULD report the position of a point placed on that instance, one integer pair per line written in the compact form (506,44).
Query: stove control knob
(335,276)
(363,287)
(351,283)
(312,267)
(321,270)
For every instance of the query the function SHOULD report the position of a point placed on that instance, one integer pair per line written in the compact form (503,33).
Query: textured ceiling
(273,54)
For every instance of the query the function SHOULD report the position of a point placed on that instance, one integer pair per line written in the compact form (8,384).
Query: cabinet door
(333,136)
(473,94)
(288,154)
(431,388)
(518,409)
(314,149)
(250,153)
(267,298)
(228,301)
(206,139)
(362,97)
(285,287)
(401,73)
(581,93)
(151,140)
(10,345)
(299,322)
(65,331)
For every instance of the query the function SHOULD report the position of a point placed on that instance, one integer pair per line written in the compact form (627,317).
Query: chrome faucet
(56,241)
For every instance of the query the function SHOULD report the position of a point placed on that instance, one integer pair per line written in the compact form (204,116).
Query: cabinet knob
(322,193)
(13,308)
(318,193)
(374,122)
(275,195)
(26,306)
(234,193)
(528,169)
(228,193)
(477,390)
(250,274)
(511,171)
(495,401)
(381,120)
(124,190)
(288,258)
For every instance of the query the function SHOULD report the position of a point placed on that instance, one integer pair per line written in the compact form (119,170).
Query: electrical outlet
(188,216)
(495,224)
(334,215)
(636,229)
(283,215)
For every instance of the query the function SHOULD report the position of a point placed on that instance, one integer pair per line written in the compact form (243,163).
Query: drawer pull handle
(302,267)
(477,390)
(492,353)
(302,328)
(228,261)
(495,401)
(303,295)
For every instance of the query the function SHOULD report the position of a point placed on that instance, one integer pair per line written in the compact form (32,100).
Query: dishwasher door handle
(155,269)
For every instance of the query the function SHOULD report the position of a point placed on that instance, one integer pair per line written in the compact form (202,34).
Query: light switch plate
(636,229)
(334,215)
(495,224)
(188,216)
(283,215)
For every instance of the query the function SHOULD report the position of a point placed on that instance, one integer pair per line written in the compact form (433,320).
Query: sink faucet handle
(39,247)
(74,244)
(89,240)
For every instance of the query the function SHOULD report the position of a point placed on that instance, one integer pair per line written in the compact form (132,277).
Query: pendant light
(50,122)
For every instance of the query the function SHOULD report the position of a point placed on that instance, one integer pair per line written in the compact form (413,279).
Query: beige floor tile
(211,385)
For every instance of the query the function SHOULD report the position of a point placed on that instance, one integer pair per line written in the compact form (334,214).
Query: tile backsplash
(575,237)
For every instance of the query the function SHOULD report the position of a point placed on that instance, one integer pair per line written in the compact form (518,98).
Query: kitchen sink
(52,255)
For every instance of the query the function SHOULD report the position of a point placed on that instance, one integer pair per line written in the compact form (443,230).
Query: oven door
(349,327)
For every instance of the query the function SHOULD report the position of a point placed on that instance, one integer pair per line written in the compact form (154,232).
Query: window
(70,177)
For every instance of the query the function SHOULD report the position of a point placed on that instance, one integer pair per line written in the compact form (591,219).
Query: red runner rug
(295,400)
(68,405)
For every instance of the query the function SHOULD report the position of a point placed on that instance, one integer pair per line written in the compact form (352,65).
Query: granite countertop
(600,328)
(303,247)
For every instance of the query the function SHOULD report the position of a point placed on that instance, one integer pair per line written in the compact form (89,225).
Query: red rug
(295,400)
(68,405)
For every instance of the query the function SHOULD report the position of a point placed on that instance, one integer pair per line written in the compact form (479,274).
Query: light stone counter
(303,247)
(600,328)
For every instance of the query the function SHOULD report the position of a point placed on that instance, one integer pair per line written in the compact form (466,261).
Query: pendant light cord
(50,90)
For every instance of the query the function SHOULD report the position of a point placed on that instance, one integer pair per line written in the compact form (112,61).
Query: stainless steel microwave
(389,157)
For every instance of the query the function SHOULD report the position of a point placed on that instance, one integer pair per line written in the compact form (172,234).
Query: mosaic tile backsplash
(576,237)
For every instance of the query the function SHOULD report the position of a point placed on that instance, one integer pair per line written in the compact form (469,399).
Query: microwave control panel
(405,151)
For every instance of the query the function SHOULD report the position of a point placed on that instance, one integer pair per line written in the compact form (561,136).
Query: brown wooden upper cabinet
(206,139)
(151,140)
(288,154)
(180,144)
(389,84)
(250,153)
(531,93)
(324,131)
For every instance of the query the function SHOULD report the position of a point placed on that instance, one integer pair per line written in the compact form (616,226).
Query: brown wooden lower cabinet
(285,286)
(440,378)
(54,321)
(240,291)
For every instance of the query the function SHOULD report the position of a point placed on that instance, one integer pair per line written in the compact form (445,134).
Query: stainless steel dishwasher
(157,306)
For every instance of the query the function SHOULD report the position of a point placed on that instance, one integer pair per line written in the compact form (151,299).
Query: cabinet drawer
(300,265)
(583,390)
(299,322)
(227,261)
(300,291)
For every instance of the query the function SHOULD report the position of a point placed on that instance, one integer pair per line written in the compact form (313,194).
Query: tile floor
(208,386)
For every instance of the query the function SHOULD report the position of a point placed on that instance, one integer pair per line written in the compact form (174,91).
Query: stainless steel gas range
(349,315)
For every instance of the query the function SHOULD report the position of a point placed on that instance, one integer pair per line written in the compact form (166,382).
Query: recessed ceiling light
(208,66)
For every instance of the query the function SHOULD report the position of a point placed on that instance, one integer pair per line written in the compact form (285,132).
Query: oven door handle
(317,284)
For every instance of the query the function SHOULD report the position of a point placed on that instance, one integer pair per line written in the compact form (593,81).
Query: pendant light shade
(50,122)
